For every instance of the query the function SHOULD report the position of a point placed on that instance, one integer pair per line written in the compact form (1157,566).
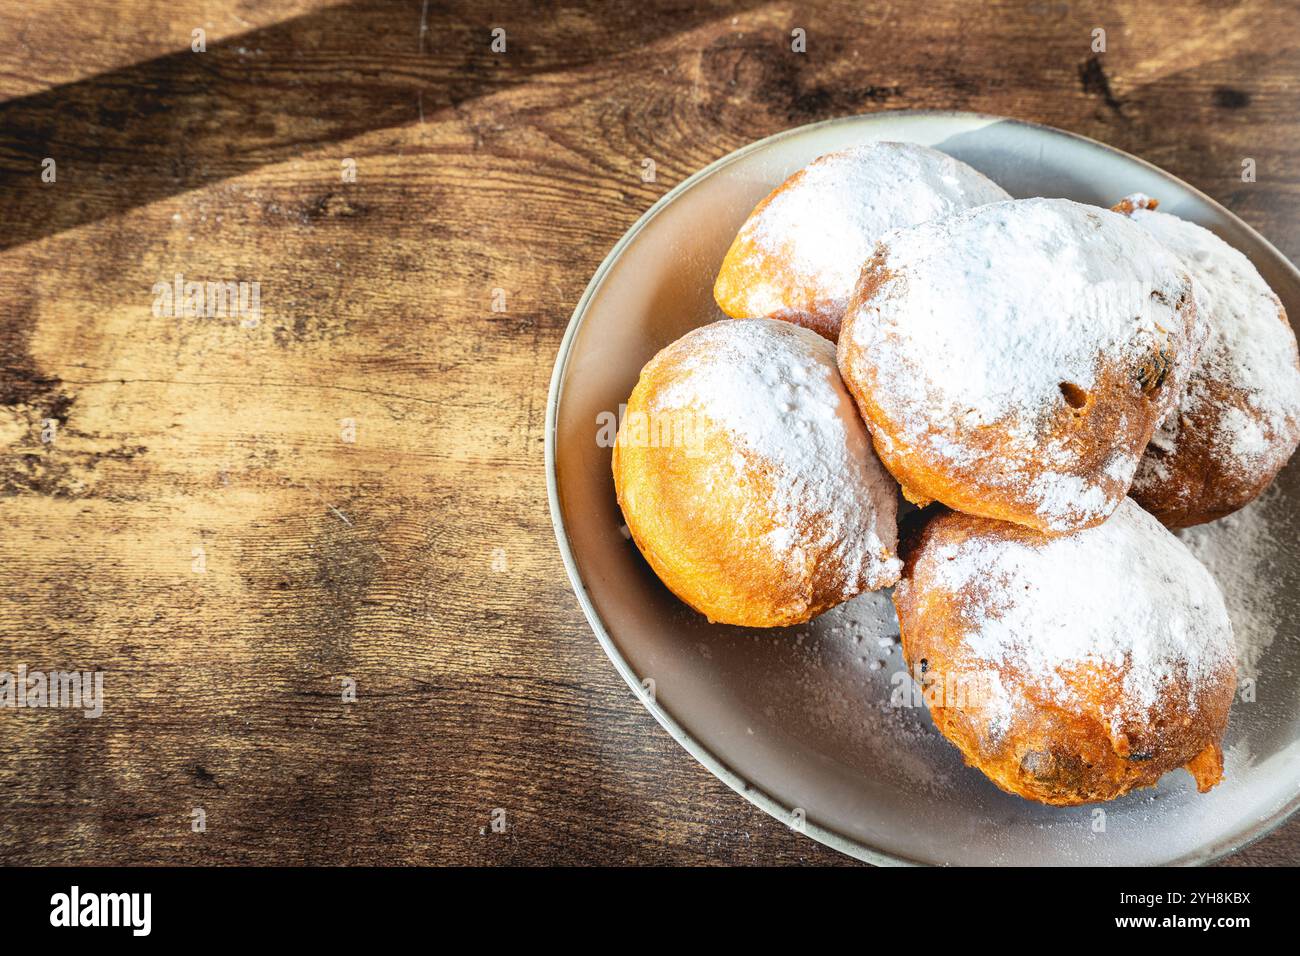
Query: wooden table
(236,514)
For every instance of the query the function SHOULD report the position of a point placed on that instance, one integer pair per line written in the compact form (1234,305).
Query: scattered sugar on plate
(1239,552)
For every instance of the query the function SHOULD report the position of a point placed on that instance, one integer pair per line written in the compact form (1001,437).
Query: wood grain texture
(419,560)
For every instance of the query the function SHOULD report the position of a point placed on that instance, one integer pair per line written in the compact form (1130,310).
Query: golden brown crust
(686,534)
(799,252)
(700,511)
(1192,479)
(1120,413)
(1194,482)
(1057,754)
(1137,201)
(748,263)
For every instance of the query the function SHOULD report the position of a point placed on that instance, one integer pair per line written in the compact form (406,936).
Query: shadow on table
(131,136)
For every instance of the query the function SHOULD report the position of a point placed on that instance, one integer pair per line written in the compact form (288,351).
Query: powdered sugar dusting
(1068,499)
(981,318)
(1240,551)
(826,223)
(1249,348)
(864,704)
(775,388)
(1125,593)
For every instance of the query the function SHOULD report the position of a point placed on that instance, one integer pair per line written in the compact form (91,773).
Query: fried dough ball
(1068,669)
(1012,361)
(799,253)
(1237,421)
(747,479)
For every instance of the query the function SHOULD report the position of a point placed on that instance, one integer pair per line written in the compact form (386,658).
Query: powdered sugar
(1125,594)
(1249,348)
(983,317)
(1069,499)
(876,709)
(1240,551)
(827,221)
(775,388)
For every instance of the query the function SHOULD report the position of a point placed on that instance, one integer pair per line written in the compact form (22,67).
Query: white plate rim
(714,764)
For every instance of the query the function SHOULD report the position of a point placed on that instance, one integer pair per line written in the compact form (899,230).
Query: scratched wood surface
(200,529)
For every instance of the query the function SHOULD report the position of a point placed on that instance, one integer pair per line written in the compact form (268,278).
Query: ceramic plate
(806,722)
